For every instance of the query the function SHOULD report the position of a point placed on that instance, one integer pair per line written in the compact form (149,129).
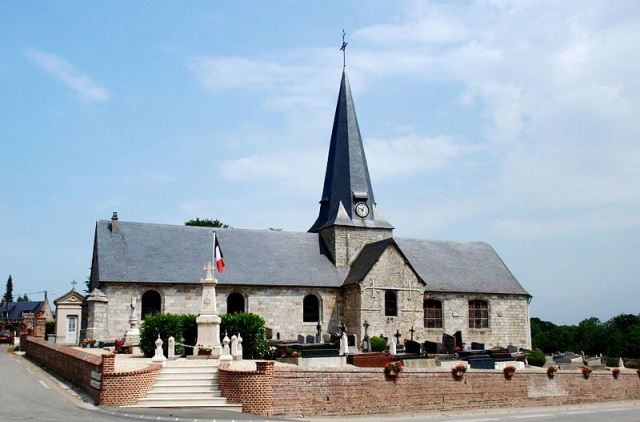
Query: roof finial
(344,50)
(73,285)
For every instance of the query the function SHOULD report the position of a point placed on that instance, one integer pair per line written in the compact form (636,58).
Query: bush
(166,325)
(251,329)
(536,357)
(189,331)
(377,344)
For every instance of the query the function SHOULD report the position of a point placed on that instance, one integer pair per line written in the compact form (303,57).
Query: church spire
(347,197)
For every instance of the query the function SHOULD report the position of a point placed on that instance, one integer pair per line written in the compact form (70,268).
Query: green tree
(8,293)
(23,298)
(206,222)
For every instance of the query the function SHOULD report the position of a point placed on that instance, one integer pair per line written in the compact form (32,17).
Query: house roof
(157,253)
(346,180)
(14,310)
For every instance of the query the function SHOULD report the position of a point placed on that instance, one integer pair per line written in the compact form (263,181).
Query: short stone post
(344,344)
(392,347)
(225,354)
(234,346)
(159,355)
(171,350)
(319,339)
(620,363)
(238,355)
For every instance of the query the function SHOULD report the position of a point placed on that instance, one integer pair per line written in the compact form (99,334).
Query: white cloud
(75,80)
(411,154)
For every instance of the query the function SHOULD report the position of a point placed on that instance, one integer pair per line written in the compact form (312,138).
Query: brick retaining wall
(252,389)
(296,392)
(116,388)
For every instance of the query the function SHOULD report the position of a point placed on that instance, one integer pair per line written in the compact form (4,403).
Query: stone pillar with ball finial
(208,320)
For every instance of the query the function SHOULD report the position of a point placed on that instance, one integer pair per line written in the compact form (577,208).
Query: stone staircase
(187,383)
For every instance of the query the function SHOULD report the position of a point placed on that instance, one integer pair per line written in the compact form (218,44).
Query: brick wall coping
(151,368)
(69,351)
(292,368)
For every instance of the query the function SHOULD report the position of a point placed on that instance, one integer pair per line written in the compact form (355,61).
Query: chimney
(114,223)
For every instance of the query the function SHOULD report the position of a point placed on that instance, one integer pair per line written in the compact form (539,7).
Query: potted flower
(551,371)
(457,372)
(392,369)
(204,350)
(508,371)
(615,372)
(586,371)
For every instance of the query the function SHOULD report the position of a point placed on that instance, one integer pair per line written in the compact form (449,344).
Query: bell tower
(348,217)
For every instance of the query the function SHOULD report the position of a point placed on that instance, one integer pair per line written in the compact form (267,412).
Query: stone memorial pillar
(132,336)
(208,320)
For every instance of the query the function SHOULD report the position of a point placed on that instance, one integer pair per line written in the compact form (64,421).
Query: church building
(348,268)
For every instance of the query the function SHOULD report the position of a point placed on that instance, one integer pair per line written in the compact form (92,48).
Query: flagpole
(213,255)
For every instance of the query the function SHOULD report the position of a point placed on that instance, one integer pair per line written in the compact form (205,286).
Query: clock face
(362,210)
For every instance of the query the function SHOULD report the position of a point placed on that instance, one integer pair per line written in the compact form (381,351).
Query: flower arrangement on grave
(508,371)
(586,371)
(457,372)
(551,371)
(295,354)
(204,350)
(615,372)
(87,342)
(392,369)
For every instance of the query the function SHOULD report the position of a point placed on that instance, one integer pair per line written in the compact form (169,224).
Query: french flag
(217,254)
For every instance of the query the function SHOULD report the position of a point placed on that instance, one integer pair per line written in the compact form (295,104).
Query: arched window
(235,303)
(151,303)
(310,309)
(478,314)
(432,313)
(390,303)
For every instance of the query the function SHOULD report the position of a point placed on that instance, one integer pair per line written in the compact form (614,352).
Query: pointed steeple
(347,185)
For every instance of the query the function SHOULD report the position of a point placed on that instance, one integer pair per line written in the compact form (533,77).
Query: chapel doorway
(151,303)
(235,303)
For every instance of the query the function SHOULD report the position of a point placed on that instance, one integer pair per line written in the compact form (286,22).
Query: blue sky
(515,123)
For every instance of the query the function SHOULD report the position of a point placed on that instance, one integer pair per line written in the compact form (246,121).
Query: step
(186,383)
(187,376)
(190,370)
(184,402)
(186,388)
(180,395)
(227,407)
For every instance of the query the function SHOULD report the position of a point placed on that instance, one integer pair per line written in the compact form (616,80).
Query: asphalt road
(29,393)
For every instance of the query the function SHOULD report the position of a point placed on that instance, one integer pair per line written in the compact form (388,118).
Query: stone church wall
(508,314)
(345,243)
(281,307)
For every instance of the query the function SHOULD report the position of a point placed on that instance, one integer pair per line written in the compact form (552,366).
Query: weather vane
(344,50)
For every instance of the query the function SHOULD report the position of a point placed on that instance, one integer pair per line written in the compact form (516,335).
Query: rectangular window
(390,303)
(432,313)
(478,314)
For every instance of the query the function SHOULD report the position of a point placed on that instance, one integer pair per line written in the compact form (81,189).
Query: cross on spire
(343,48)
(73,285)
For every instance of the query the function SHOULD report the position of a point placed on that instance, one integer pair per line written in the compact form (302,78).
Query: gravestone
(449,343)
(477,346)
(411,346)
(301,339)
(351,338)
(431,347)
(269,333)
(310,339)
(512,349)
(459,343)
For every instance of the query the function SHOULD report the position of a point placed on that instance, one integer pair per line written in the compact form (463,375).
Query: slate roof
(161,253)
(157,253)
(346,180)
(14,310)
(466,267)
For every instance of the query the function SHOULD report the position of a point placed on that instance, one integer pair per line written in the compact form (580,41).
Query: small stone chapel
(348,268)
